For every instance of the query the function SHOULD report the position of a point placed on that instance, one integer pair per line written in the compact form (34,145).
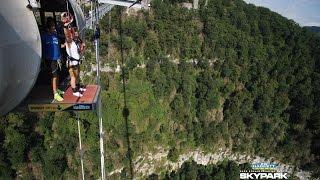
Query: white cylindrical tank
(20,53)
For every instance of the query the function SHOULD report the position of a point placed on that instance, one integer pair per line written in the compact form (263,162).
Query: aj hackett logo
(263,171)
(82,107)
(264,166)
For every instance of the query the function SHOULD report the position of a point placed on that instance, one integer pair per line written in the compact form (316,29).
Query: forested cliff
(226,76)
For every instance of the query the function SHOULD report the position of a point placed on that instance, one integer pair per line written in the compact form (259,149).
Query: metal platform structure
(102,10)
(40,99)
(140,5)
(107,5)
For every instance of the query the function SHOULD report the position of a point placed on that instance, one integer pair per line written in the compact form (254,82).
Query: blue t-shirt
(51,47)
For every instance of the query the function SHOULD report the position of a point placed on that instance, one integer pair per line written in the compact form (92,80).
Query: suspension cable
(69,15)
(67,6)
(99,108)
(109,37)
(78,120)
(80,146)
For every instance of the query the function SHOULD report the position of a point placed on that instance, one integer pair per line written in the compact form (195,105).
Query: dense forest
(229,75)
(225,170)
(191,170)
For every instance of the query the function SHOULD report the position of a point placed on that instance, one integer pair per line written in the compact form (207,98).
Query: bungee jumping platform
(40,99)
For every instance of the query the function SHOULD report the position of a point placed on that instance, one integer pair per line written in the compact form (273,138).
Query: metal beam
(102,10)
(122,3)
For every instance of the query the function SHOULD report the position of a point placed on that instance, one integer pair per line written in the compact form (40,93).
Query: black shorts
(54,68)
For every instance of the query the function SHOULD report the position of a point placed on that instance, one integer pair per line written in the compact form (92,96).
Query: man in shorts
(51,50)
(81,47)
(73,62)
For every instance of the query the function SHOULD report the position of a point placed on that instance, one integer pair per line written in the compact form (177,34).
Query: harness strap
(72,59)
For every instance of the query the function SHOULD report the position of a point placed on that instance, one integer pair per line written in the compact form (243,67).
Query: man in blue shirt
(51,50)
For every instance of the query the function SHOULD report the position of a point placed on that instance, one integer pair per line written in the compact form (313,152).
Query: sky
(304,12)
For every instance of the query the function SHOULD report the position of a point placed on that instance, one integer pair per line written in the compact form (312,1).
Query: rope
(91,18)
(96,14)
(80,146)
(138,1)
(67,7)
(68,11)
(101,132)
(97,11)
(78,118)
(109,37)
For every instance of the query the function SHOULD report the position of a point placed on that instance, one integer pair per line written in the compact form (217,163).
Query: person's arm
(82,47)
(63,45)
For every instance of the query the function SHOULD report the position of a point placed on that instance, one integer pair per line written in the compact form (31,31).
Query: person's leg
(54,84)
(78,75)
(80,87)
(77,70)
(73,73)
(72,78)
(54,70)
(59,91)
(73,82)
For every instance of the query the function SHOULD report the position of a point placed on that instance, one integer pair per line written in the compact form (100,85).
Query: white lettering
(260,175)
(270,176)
(263,175)
(250,176)
(81,107)
(277,175)
(256,175)
(243,176)
(283,176)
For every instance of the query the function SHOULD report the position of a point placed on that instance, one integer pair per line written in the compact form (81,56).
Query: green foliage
(227,75)
(191,170)
(134,29)
(15,141)
(173,154)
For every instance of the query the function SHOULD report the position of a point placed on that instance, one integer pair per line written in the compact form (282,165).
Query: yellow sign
(48,107)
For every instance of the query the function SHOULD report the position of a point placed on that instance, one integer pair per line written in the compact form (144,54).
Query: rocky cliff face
(147,164)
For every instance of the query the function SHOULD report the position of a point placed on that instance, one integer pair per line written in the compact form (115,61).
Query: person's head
(76,34)
(68,39)
(66,18)
(50,20)
(51,27)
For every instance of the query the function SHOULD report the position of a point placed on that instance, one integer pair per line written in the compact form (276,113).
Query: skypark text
(263,175)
